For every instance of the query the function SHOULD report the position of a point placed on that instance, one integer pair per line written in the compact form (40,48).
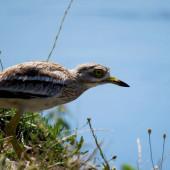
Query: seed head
(114,157)
(89,118)
(149,130)
(164,135)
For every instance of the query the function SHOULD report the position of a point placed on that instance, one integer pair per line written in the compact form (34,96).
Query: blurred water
(131,37)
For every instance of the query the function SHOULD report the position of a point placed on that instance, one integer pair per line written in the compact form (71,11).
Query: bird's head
(91,75)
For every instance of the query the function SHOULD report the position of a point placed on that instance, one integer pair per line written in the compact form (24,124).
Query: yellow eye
(98,73)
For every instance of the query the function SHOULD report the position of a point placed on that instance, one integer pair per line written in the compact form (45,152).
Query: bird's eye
(98,73)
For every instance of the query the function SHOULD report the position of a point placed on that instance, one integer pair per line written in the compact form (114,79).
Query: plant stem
(151,150)
(101,153)
(163,152)
(59,29)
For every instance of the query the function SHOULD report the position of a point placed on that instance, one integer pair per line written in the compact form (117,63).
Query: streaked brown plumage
(37,86)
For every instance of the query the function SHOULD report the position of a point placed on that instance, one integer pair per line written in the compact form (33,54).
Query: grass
(42,142)
(49,146)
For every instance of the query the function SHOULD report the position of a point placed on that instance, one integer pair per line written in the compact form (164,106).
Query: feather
(32,80)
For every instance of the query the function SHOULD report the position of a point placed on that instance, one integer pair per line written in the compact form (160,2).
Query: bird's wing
(33,80)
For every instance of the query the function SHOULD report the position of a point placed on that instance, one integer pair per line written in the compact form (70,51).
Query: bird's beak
(116,81)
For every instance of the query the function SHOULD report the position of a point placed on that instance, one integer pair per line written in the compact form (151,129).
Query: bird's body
(38,86)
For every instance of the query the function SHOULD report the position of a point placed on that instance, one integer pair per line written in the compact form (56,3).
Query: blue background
(131,37)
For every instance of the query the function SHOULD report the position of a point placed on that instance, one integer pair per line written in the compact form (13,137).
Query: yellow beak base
(116,81)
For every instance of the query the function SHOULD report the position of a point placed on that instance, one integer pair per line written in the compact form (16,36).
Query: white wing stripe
(40,78)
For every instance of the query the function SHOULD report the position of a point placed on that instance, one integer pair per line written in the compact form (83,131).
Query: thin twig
(94,152)
(59,29)
(163,153)
(151,150)
(101,153)
(164,137)
(1,63)
(165,157)
(72,130)
(84,131)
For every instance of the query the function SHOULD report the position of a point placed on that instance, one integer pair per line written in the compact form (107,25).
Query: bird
(39,85)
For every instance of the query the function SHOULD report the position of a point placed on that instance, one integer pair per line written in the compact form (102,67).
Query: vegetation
(52,146)
(49,146)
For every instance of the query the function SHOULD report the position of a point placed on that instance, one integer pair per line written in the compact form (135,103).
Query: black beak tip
(123,84)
